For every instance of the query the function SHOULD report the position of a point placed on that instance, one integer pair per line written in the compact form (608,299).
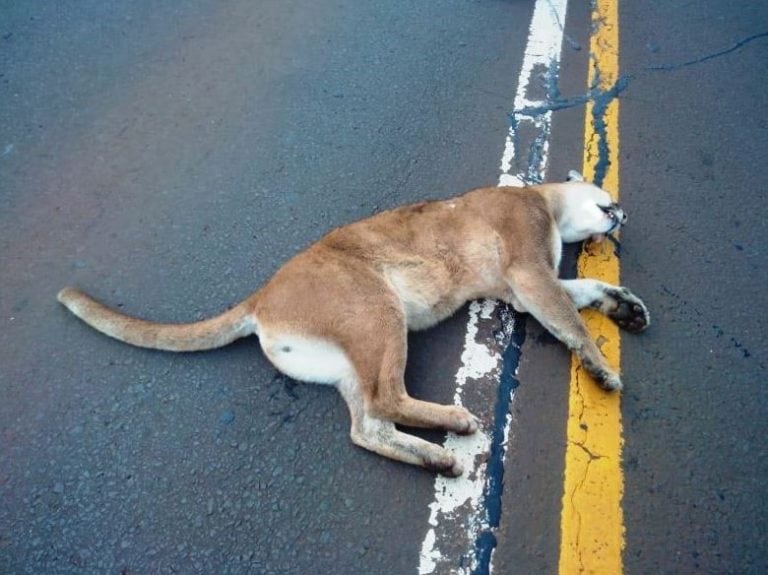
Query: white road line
(457,515)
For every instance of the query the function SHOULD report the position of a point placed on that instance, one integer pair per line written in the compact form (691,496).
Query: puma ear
(574,176)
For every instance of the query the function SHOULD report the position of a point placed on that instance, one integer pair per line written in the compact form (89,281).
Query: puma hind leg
(368,367)
(377,399)
(382,437)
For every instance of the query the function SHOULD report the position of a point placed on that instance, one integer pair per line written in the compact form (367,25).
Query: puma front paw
(629,311)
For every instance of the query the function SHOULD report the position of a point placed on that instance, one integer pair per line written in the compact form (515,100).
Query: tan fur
(339,312)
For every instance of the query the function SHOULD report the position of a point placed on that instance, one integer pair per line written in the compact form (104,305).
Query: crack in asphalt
(585,449)
(600,98)
(733,48)
(592,457)
(583,478)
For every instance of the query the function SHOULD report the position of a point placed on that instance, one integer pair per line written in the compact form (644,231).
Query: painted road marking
(592,528)
(465,511)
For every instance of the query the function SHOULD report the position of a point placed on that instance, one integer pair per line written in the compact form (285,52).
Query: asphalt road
(167,157)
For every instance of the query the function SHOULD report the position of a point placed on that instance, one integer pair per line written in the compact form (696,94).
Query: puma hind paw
(445,463)
(462,422)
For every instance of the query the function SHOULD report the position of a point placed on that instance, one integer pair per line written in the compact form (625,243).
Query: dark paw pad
(630,312)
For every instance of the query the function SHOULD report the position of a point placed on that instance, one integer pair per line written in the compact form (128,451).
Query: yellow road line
(592,526)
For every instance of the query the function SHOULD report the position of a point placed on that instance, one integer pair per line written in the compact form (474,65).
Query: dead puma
(338,312)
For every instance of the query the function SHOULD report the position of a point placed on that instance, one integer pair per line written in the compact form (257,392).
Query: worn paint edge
(592,526)
(486,541)
(453,496)
(482,362)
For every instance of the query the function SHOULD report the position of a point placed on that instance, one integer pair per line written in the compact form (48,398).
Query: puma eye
(608,211)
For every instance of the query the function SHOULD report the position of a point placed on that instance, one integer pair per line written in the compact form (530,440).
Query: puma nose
(621,213)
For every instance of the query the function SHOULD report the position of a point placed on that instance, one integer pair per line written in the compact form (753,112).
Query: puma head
(586,211)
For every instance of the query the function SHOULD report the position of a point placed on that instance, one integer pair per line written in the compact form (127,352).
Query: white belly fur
(307,359)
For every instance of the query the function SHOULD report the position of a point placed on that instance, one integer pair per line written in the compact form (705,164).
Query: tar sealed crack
(600,98)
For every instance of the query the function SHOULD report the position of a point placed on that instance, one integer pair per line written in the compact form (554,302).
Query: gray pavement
(697,417)
(167,157)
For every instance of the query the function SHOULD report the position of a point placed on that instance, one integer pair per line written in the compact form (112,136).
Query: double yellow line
(592,524)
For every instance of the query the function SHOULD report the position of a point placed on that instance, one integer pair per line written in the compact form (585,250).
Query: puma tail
(207,334)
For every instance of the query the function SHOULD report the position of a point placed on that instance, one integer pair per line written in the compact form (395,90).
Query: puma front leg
(618,303)
(539,291)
